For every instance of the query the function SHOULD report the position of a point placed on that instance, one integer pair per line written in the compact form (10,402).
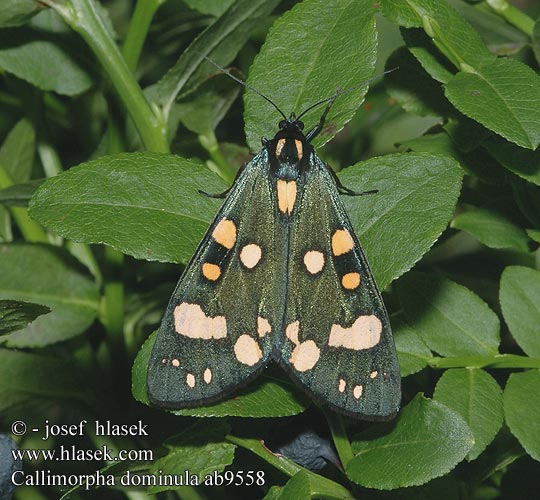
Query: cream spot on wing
(286,193)
(350,281)
(364,333)
(342,385)
(250,255)
(314,261)
(190,321)
(342,242)
(263,326)
(305,355)
(292,332)
(247,351)
(299,148)
(211,271)
(373,374)
(163,361)
(207,375)
(279,146)
(190,380)
(175,362)
(225,233)
(357,391)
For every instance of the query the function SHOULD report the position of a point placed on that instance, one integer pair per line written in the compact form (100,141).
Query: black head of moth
(280,275)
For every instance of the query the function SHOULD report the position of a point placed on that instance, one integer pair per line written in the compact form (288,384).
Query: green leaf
(504,96)
(17,151)
(427,441)
(476,396)
(522,409)
(145,204)
(221,42)
(253,401)
(534,234)
(477,163)
(336,48)
(199,450)
(17,12)
(48,276)
(203,112)
(493,229)
(449,318)
(413,354)
(273,493)
(522,162)
(19,194)
(212,7)
(46,64)
(17,315)
(452,34)
(422,48)
(519,292)
(296,488)
(406,204)
(412,87)
(527,197)
(25,376)
(536,40)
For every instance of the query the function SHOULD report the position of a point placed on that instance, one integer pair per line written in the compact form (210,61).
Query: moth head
(291,124)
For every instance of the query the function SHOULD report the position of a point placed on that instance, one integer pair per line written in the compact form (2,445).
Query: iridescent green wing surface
(337,340)
(215,334)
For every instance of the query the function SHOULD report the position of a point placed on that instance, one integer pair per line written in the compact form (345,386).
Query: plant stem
(223,168)
(321,487)
(339,436)
(82,17)
(498,361)
(256,446)
(513,15)
(30,229)
(138,30)
(112,313)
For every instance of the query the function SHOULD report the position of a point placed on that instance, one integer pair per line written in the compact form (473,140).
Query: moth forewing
(215,335)
(338,342)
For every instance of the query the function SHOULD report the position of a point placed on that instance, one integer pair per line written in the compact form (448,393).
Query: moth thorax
(289,150)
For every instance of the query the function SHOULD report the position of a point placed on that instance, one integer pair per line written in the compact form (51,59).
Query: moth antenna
(339,92)
(245,84)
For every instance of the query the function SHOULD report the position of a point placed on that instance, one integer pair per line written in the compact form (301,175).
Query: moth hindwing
(279,275)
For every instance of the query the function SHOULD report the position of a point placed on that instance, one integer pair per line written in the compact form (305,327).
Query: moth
(279,275)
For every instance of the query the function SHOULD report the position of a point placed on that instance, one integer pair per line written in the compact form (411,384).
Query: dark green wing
(216,333)
(337,341)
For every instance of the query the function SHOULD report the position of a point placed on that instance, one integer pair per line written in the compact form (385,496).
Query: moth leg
(315,131)
(344,189)
(226,192)
(215,195)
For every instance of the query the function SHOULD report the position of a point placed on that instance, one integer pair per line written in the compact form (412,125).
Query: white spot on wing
(247,351)
(292,332)
(250,255)
(190,321)
(314,261)
(175,362)
(342,385)
(263,326)
(305,355)
(207,375)
(357,391)
(364,333)
(190,380)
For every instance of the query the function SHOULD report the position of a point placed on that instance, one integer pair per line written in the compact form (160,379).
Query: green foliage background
(112,120)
